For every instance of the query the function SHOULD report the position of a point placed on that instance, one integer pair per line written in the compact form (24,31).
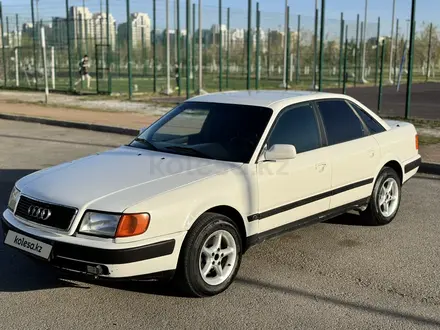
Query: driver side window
(298,127)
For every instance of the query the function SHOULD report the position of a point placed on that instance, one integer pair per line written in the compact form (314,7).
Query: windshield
(226,132)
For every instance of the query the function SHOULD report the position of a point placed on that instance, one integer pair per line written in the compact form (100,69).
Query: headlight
(13,199)
(100,224)
(114,225)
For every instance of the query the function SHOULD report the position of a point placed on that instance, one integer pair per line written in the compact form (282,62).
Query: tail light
(417,142)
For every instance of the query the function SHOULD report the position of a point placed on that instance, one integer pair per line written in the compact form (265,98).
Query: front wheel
(210,256)
(385,198)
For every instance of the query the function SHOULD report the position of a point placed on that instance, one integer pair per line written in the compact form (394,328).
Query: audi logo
(39,212)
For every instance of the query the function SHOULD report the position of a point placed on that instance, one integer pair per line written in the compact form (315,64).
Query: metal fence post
(356,51)
(8,41)
(286,18)
(154,49)
(119,57)
(5,73)
(249,37)
(341,46)
(315,46)
(109,49)
(395,53)
(193,72)
(97,66)
(69,55)
(220,45)
(429,52)
(361,46)
(287,69)
(17,30)
(144,51)
(321,51)
(257,50)
(34,41)
(344,78)
(228,26)
(17,51)
(377,50)
(178,47)
(188,49)
(268,54)
(379,100)
(200,91)
(298,43)
(46,82)
(410,60)
(130,85)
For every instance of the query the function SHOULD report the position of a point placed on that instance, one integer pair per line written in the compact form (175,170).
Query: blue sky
(271,10)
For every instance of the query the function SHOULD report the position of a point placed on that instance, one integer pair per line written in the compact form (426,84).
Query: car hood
(103,181)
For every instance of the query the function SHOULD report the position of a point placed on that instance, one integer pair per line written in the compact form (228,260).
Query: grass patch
(428,139)
(418,122)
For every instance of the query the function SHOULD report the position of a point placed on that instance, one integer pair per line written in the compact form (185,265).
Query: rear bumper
(411,167)
(153,261)
(413,164)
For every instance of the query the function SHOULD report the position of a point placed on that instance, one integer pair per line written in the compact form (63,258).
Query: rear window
(372,124)
(340,122)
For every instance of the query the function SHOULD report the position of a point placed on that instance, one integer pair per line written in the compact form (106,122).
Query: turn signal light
(132,224)
(417,142)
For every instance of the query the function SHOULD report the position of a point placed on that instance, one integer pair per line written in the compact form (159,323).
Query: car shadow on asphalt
(348,219)
(363,307)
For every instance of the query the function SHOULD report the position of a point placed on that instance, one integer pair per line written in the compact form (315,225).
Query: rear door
(354,153)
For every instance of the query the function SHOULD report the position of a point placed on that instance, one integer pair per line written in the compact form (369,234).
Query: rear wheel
(385,199)
(210,256)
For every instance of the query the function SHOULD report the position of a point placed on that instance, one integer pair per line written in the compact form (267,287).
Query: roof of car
(263,98)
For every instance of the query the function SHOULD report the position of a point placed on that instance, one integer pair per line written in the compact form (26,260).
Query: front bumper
(151,261)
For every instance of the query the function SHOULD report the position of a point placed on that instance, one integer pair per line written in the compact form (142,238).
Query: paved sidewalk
(430,153)
(130,120)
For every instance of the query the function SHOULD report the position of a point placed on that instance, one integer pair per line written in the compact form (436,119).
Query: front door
(293,189)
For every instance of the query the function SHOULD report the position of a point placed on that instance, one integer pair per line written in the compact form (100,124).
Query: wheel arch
(236,217)
(395,165)
(233,214)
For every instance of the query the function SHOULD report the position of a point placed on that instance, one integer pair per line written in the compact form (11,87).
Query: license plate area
(28,244)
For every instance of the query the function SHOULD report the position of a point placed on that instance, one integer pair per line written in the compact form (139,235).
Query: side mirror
(280,151)
(142,130)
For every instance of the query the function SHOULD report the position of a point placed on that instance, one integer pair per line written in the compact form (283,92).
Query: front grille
(60,217)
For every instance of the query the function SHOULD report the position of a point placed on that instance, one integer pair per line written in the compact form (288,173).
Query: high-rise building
(215,35)
(140,28)
(59,27)
(100,29)
(81,22)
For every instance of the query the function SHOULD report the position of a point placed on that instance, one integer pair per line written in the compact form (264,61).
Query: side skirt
(320,217)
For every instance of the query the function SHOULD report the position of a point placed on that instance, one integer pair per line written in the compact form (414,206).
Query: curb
(429,168)
(426,168)
(71,124)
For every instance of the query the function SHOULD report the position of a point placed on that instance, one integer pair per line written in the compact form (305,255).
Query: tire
(192,261)
(377,213)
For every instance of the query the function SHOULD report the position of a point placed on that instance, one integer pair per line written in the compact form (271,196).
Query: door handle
(320,166)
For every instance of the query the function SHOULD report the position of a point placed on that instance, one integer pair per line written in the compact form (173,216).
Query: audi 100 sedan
(187,197)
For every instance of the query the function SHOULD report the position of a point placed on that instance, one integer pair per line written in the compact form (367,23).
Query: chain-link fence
(157,46)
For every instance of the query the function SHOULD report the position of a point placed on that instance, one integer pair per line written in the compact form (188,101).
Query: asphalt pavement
(334,275)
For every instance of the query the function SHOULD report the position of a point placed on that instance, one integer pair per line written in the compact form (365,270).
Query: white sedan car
(217,174)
